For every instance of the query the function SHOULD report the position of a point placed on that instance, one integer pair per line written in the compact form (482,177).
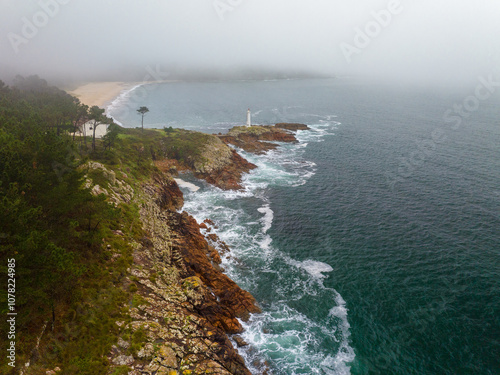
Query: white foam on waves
(337,364)
(288,334)
(313,267)
(267,220)
(120,105)
(189,185)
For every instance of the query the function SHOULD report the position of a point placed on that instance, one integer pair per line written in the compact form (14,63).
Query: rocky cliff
(182,305)
(185,305)
(257,138)
(217,163)
(211,160)
(221,166)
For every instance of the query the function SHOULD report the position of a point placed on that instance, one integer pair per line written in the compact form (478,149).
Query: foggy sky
(427,41)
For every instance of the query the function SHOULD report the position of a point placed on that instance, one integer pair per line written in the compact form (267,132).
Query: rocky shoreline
(257,139)
(185,306)
(221,165)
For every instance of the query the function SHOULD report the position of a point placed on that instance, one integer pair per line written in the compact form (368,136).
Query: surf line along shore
(101,93)
(206,304)
(106,94)
(227,176)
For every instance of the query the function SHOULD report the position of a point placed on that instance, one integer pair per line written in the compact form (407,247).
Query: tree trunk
(93,136)
(53,316)
(75,128)
(85,136)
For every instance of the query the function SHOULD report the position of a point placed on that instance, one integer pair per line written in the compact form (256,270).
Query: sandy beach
(100,93)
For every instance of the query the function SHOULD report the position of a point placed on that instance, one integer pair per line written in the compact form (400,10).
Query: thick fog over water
(426,41)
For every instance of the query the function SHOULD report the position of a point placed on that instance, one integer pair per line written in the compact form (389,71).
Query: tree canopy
(50,223)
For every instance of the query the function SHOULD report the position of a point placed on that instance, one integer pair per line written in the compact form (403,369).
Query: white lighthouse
(249,118)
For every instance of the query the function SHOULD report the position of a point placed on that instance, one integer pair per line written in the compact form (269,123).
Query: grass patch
(121,370)
(138,300)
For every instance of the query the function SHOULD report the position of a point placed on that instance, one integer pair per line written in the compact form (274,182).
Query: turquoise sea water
(371,248)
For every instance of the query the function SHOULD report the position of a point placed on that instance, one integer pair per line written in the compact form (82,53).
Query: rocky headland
(113,277)
(177,307)
(188,305)
(213,160)
(205,155)
(257,138)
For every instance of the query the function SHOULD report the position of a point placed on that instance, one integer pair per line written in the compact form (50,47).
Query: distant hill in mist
(157,72)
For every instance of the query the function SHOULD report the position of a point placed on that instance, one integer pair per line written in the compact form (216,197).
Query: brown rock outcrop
(233,301)
(169,196)
(213,161)
(249,143)
(257,138)
(228,176)
(170,166)
(292,126)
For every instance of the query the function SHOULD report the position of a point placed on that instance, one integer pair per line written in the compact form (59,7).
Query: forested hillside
(99,259)
(52,229)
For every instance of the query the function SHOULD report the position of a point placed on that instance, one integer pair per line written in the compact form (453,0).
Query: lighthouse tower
(249,118)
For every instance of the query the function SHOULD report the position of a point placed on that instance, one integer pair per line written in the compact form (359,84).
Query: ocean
(373,244)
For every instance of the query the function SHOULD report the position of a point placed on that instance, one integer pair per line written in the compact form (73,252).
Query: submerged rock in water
(239,341)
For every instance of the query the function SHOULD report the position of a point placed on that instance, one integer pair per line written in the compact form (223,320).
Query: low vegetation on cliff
(59,233)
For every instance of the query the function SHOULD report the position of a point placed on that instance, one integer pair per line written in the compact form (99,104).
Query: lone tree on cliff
(143,111)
